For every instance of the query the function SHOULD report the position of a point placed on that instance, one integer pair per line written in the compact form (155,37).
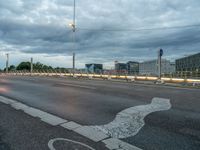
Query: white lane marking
(33,112)
(52,141)
(71,125)
(75,85)
(53,120)
(129,121)
(91,133)
(6,100)
(19,106)
(44,116)
(116,144)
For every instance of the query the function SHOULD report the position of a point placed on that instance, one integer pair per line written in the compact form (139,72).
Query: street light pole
(7,62)
(160,53)
(159,65)
(31,66)
(74,16)
(73,25)
(73,59)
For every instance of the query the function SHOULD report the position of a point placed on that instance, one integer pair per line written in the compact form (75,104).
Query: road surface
(19,131)
(95,102)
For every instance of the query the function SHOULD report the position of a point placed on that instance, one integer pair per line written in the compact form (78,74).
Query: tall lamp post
(31,66)
(160,54)
(7,62)
(73,26)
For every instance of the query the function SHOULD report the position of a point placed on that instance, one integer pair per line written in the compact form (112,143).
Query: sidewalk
(19,131)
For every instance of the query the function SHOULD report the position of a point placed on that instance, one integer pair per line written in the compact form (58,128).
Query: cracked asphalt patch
(19,131)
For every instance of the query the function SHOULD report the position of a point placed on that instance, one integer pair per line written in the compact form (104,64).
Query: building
(151,67)
(148,67)
(120,67)
(94,68)
(190,63)
(172,67)
(132,67)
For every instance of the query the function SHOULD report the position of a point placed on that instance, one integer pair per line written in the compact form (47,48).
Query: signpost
(160,54)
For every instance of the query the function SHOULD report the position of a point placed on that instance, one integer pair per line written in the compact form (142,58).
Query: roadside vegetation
(26,66)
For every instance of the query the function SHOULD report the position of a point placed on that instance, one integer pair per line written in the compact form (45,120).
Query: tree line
(26,66)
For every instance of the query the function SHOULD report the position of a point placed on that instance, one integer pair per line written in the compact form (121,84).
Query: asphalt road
(93,102)
(18,131)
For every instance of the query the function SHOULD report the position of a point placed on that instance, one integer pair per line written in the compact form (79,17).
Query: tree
(24,66)
(36,66)
(12,68)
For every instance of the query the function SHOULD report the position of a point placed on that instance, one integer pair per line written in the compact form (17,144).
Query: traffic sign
(161,52)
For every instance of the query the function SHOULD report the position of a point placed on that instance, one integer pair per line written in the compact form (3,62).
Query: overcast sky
(107,30)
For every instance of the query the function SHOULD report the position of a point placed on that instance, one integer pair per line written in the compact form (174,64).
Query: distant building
(151,67)
(148,67)
(190,63)
(132,67)
(172,67)
(94,68)
(82,70)
(120,67)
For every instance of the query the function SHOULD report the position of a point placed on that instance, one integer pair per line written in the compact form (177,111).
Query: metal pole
(74,36)
(74,17)
(159,65)
(31,66)
(7,62)
(73,63)
(160,53)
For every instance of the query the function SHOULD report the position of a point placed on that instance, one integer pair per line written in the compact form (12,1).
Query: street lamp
(7,62)
(73,26)
(31,66)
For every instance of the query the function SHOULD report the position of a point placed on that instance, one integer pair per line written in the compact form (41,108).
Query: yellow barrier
(193,80)
(148,78)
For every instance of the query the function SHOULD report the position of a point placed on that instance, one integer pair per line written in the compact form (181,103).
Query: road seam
(86,131)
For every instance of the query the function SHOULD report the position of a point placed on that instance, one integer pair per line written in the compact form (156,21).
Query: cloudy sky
(107,30)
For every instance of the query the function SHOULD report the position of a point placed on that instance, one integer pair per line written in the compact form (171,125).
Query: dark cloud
(106,30)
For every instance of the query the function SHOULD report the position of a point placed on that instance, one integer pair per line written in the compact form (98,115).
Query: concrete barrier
(109,77)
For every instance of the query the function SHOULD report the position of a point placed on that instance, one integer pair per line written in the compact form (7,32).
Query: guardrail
(108,77)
